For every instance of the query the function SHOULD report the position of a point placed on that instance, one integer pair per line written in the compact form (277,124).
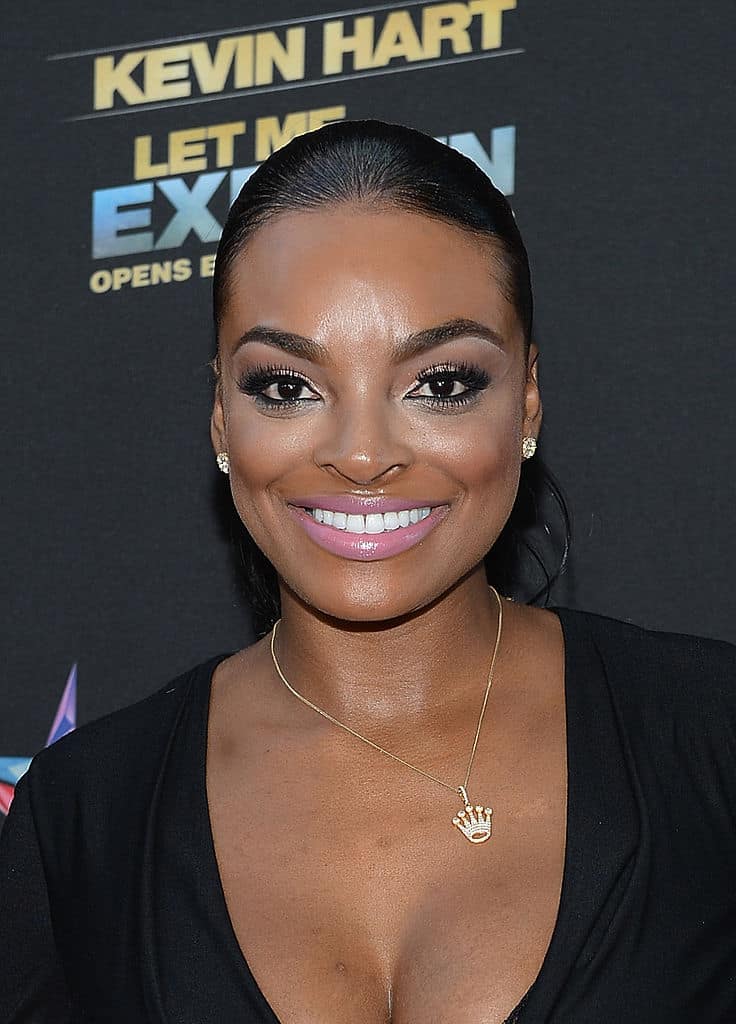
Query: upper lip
(354,505)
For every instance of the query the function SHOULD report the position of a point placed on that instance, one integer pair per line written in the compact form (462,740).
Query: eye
(450,384)
(275,387)
(287,389)
(442,387)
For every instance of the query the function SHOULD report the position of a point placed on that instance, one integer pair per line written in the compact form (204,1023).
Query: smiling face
(371,354)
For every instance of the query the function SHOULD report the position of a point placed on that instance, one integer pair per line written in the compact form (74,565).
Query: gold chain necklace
(473,821)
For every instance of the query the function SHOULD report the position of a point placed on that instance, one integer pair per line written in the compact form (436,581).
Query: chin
(364,598)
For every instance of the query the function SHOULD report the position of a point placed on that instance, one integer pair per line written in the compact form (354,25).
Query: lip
(368,547)
(353,504)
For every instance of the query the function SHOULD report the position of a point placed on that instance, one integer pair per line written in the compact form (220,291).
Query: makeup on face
(372,397)
(354,527)
(279,389)
(372,536)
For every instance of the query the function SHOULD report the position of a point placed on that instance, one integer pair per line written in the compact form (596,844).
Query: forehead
(355,270)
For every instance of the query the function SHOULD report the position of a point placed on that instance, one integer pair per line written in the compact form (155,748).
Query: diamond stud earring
(223,462)
(528,447)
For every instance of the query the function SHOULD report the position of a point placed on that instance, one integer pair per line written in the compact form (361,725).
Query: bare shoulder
(535,632)
(542,620)
(241,687)
(532,656)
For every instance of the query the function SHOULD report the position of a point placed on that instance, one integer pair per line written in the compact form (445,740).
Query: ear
(217,420)
(532,398)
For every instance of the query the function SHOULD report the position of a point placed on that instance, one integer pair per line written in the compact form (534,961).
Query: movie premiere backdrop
(129,129)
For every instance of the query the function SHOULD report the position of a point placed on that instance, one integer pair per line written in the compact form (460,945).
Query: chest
(354,897)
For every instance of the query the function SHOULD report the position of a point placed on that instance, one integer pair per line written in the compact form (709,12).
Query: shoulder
(688,649)
(89,794)
(673,698)
(129,740)
(681,671)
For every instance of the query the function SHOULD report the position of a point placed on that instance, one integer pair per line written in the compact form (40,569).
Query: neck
(425,664)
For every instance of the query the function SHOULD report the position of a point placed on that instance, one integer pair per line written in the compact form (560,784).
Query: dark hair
(390,165)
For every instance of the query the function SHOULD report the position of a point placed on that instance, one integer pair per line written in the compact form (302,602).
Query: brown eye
(285,390)
(444,387)
(275,387)
(449,386)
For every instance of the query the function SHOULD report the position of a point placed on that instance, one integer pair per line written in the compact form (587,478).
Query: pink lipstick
(366,529)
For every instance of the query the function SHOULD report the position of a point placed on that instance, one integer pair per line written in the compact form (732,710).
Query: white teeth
(374,522)
(355,524)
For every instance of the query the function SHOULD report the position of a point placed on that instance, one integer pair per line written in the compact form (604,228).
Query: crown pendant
(473,822)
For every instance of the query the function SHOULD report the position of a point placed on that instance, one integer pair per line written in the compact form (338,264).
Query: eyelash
(473,378)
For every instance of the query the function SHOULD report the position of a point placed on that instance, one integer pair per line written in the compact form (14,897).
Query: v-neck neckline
(584,838)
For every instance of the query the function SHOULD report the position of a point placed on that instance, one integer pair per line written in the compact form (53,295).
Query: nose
(364,441)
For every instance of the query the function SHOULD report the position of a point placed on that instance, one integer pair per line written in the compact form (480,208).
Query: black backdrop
(617,145)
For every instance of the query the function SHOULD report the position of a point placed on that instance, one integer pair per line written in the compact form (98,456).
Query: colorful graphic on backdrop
(65,721)
(185,179)
(158,201)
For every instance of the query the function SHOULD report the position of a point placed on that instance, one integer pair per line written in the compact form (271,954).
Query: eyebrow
(405,348)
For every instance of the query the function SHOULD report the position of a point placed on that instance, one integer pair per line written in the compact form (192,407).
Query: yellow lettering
(207,265)
(398,38)
(271,53)
(270,135)
(165,73)
(187,152)
(182,269)
(141,275)
(316,118)
(446,21)
(120,276)
(224,136)
(491,13)
(160,272)
(211,71)
(244,63)
(100,282)
(111,78)
(143,169)
(335,44)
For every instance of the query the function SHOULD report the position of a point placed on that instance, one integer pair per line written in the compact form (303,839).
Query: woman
(412,799)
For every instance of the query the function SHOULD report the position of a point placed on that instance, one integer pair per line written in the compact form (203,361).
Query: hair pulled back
(391,166)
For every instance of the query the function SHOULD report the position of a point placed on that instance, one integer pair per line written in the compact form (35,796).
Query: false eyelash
(474,378)
(252,382)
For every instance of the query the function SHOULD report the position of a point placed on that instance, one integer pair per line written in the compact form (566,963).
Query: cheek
(262,451)
(480,450)
(473,457)
(483,466)
(261,446)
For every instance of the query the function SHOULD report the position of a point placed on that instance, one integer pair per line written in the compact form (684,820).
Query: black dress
(112,909)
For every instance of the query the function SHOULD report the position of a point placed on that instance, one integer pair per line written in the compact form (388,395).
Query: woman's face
(370,365)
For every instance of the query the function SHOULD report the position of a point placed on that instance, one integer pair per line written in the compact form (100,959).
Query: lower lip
(368,547)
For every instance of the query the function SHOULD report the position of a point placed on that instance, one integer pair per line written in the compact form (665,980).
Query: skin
(368,909)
